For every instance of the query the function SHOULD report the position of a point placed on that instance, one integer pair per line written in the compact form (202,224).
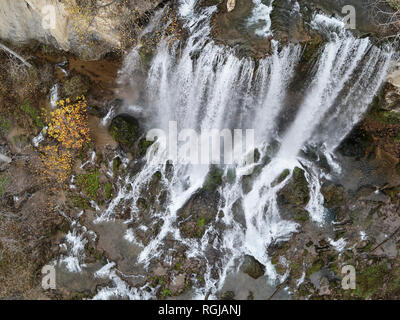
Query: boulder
(252,267)
(125,130)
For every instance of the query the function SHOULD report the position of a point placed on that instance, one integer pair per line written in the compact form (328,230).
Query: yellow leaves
(57,162)
(68,126)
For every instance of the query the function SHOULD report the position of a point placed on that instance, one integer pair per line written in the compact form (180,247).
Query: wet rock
(200,210)
(357,144)
(281,177)
(78,286)
(87,29)
(178,284)
(289,23)
(208,3)
(294,196)
(228,295)
(213,180)
(252,267)
(334,195)
(231,29)
(125,129)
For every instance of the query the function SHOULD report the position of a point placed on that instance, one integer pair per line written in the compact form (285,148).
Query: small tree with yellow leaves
(68,127)
(68,124)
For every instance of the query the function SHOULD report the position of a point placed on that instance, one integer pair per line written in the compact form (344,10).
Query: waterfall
(204,85)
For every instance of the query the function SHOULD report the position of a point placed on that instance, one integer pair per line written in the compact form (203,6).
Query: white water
(261,18)
(219,90)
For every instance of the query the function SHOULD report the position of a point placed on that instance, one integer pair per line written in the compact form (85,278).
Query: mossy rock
(296,193)
(75,87)
(147,50)
(316,266)
(144,144)
(197,213)
(116,164)
(89,183)
(146,56)
(357,144)
(334,195)
(252,267)
(301,215)
(214,179)
(285,173)
(125,130)
(386,117)
(369,280)
(33,113)
(81,203)
(108,190)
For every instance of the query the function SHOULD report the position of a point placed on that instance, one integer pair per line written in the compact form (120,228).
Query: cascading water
(202,85)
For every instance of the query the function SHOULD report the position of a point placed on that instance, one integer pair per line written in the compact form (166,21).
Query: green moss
(213,180)
(283,175)
(395,284)
(166,293)
(334,268)
(294,266)
(146,54)
(5,125)
(301,215)
(296,192)
(116,164)
(178,266)
(125,130)
(369,281)
(200,226)
(144,144)
(334,195)
(387,117)
(311,49)
(395,4)
(81,203)
(108,190)
(392,193)
(317,266)
(280,269)
(89,183)
(33,113)
(4,182)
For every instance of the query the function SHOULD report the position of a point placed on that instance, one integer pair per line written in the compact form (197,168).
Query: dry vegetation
(387,13)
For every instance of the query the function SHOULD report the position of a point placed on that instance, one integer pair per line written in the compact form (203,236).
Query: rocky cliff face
(87,30)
